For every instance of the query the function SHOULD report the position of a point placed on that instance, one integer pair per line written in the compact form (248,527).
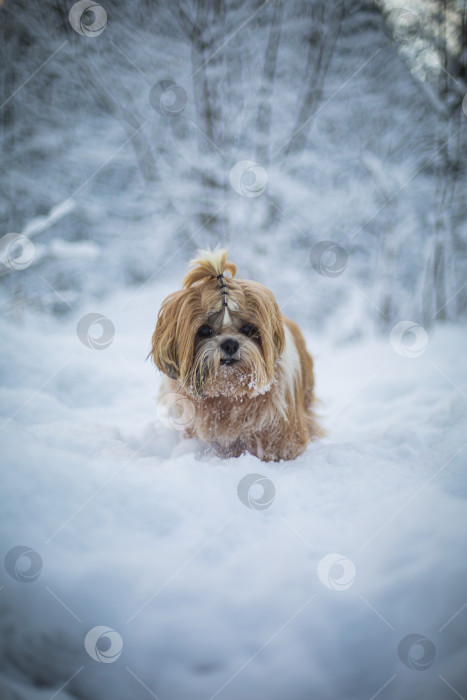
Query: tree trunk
(265,104)
(317,67)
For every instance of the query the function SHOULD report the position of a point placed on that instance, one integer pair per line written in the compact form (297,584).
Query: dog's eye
(246,329)
(205,331)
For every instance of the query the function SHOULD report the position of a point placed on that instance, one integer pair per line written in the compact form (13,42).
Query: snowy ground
(209,598)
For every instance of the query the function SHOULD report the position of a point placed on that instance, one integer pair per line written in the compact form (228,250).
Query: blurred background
(121,128)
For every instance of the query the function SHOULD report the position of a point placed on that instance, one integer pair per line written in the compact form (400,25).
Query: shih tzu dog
(237,371)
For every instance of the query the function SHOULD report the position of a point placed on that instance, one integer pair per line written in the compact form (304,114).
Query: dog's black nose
(229,346)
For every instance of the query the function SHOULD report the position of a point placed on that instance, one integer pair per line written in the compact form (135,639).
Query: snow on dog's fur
(224,345)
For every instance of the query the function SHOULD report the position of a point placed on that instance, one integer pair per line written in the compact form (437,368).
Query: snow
(42,223)
(211,599)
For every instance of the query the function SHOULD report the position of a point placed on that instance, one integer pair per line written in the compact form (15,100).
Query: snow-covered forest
(353,113)
(323,143)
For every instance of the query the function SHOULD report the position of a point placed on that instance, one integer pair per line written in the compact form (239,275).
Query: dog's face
(219,337)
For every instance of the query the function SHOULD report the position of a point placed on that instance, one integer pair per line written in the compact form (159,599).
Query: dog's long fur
(258,399)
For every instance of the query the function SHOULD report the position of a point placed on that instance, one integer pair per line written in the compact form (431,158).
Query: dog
(236,370)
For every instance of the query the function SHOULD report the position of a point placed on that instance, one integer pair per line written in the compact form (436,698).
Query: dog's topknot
(208,264)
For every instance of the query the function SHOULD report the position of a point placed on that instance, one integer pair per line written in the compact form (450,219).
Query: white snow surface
(211,599)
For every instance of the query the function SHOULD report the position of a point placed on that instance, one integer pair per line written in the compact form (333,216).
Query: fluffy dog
(238,374)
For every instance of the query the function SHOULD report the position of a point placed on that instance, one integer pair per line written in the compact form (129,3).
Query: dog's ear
(268,318)
(277,329)
(164,346)
(173,340)
(274,327)
(164,350)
